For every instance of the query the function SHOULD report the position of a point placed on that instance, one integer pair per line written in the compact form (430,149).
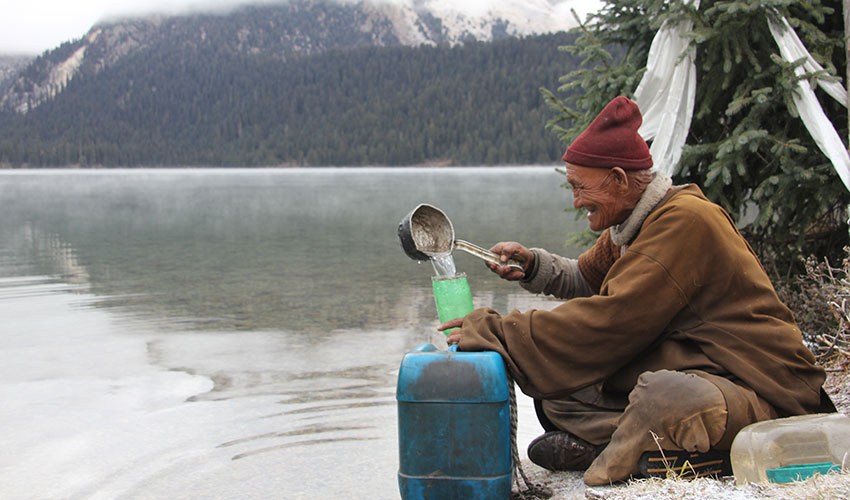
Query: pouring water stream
(444,265)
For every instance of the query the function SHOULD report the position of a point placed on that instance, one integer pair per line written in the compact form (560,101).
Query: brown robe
(688,293)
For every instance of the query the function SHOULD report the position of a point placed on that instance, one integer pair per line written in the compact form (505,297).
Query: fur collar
(624,232)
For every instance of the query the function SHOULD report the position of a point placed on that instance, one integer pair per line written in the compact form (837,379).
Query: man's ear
(619,177)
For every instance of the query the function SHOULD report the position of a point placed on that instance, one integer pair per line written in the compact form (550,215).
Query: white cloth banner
(792,49)
(815,120)
(666,93)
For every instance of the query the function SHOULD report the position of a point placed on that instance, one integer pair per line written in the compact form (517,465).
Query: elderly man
(673,337)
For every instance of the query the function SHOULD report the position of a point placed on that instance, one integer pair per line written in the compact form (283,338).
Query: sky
(29,27)
(33,26)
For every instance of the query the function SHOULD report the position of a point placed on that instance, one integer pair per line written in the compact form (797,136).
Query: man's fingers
(455,323)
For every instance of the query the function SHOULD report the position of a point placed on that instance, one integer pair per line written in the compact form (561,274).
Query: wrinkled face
(601,193)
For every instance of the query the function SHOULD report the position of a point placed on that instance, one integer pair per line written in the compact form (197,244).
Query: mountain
(171,89)
(292,29)
(10,66)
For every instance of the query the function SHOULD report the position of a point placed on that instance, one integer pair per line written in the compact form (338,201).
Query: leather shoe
(560,451)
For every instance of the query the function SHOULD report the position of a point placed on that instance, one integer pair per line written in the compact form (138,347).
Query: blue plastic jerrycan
(454,427)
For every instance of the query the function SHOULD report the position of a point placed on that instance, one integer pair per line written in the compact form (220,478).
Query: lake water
(232,333)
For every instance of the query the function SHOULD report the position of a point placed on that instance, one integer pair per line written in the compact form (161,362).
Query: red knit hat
(612,140)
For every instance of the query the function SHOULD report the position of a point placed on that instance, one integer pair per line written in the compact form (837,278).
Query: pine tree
(747,146)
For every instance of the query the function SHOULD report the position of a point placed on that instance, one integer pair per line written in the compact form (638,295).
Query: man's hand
(454,337)
(508,250)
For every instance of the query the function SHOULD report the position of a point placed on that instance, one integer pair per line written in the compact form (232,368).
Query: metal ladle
(427,232)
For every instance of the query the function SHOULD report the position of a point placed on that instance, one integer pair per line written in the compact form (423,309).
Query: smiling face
(603,192)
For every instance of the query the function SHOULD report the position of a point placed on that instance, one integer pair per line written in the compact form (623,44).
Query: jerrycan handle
(453,348)
(425,347)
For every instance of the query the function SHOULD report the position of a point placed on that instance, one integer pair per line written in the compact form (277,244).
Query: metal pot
(427,232)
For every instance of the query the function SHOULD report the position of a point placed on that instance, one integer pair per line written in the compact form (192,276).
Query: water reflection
(27,244)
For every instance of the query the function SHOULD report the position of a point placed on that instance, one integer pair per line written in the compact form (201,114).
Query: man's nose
(576,200)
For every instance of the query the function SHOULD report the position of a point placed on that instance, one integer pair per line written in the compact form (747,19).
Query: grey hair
(638,179)
(641,178)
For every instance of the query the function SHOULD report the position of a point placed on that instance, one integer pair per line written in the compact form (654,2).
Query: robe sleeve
(557,276)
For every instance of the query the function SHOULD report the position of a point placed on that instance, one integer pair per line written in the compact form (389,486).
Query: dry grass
(835,486)
(820,300)
(837,385)
(569,486)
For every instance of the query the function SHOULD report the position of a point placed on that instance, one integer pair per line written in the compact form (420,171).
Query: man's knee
(689,410)
(667,389)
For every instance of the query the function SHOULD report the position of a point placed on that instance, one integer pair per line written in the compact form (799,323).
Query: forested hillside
(193,104)
(9,66)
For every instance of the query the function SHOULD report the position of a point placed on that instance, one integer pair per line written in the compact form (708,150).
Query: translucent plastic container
(791,448)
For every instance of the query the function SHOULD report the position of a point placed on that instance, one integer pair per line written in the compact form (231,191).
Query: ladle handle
(487,255)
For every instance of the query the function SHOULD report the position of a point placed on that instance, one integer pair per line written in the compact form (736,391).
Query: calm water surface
(231,333)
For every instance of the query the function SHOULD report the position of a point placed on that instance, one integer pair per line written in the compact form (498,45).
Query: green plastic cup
(453,298)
